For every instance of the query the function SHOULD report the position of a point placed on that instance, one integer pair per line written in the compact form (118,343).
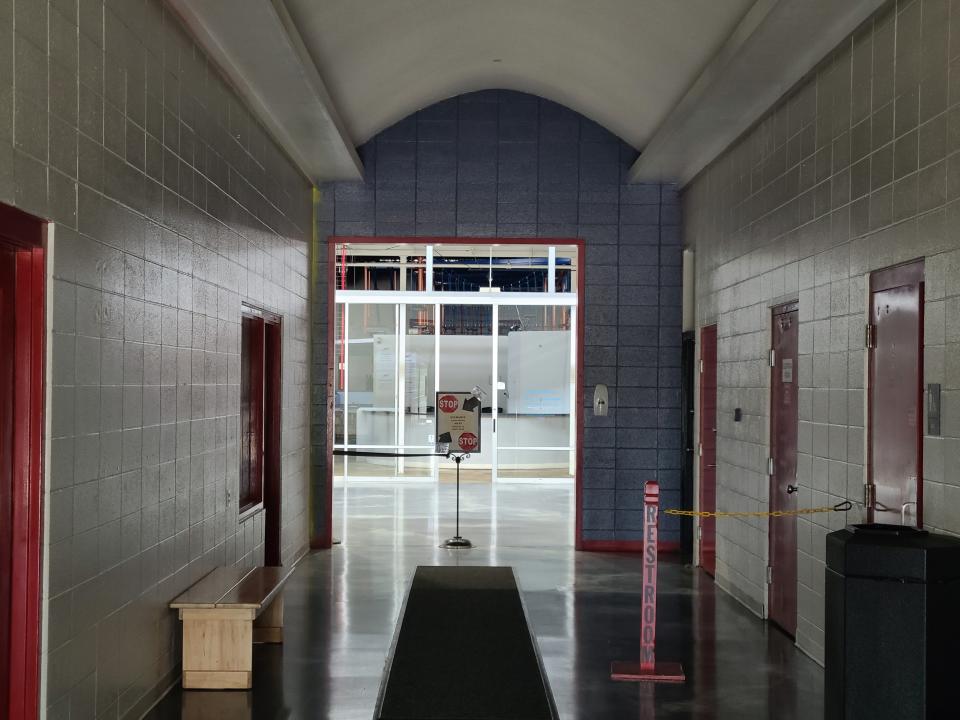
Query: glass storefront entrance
(488,321)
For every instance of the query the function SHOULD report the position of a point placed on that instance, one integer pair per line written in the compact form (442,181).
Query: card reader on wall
(601,400)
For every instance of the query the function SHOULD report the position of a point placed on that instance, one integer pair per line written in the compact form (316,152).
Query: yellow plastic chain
(839,507)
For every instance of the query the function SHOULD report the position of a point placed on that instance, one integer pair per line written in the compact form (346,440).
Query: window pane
(536,392)
(381,266)
(245,423)
(372,375)
(251,411)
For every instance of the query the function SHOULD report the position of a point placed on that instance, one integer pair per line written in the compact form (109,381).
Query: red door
(895,337)
(708,447)
(7,314)
(22,282)
(272,445)
(783,480)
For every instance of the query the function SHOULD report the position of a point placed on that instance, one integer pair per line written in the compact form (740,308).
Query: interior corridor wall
(502,163)
(855,170)
(171,206)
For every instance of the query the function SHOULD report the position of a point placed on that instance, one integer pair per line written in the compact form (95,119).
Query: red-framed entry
(261,407)
(323,536)
(707,529)
(23,239)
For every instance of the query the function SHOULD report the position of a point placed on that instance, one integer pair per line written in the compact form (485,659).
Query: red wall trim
(581,324)
(324,539)
(665,548)
(413,240)
(28,234)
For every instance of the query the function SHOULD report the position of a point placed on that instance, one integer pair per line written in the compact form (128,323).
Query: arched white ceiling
(623,63)
(677,79)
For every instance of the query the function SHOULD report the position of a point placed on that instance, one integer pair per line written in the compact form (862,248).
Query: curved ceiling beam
(775,45)
(278,80)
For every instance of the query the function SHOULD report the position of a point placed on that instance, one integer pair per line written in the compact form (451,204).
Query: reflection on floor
(387,470)
(342,607)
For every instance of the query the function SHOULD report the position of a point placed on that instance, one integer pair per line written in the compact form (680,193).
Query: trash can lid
(893,552)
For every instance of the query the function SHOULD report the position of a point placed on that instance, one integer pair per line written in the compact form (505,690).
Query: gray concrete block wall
(506,164)
(855,170)
(172,206)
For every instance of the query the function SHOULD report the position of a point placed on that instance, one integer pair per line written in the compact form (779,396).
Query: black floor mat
(464,651)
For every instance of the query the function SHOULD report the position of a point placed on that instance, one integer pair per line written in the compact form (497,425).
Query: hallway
(342,608)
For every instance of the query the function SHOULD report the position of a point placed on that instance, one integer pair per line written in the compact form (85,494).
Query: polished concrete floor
(342,607)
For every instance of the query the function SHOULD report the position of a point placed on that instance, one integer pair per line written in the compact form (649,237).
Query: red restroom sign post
(648,669)
(458,435)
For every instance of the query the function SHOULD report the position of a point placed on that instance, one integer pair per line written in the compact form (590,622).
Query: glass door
(466,361)
(536,393)
(416,375)
(372,383)
(413,319)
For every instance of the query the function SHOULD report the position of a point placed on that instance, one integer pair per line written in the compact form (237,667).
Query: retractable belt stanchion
(456,541)
(648,669)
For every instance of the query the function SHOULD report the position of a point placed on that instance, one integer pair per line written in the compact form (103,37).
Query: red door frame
(707,527)
(908,273)
(265,448)
(782,531)
(272,436)
(323,538)
(252,409)
(26,235)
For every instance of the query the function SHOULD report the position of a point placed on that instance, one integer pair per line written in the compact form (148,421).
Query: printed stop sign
(457,417)
(448,403)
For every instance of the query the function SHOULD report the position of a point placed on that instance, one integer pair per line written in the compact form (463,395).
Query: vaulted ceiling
(677,79)
(624,63)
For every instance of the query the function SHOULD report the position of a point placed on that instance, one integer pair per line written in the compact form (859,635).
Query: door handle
(791,489)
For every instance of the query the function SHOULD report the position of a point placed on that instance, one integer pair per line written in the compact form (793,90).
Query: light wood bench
(223,614)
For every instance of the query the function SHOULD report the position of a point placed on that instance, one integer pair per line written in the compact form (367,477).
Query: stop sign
(468,441)
(449,404)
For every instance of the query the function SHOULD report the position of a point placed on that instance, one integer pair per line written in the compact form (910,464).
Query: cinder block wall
(501,163)
(172,206)
(855,170)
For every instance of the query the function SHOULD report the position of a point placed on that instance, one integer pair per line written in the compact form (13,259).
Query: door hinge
(769,575)
(701,366)
(699,533)
(869,495)
(870,336)
(770,466)
(773,358)
(700,449)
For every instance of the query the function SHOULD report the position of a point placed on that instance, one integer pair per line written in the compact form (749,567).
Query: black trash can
(892,624)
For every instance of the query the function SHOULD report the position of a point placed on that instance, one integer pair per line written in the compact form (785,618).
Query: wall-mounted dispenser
(601,400)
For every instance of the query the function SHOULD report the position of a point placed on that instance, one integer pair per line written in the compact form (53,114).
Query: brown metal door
(783,478)
(708,447)
(895,337)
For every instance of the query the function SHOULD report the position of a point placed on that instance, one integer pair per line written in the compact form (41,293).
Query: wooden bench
(223,614)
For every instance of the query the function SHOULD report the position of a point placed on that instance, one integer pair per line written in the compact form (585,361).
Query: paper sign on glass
(458,422)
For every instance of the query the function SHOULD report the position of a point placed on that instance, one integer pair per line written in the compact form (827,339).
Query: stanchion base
(457,543)
(662,672)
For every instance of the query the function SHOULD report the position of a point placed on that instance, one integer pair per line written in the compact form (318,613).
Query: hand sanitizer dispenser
(601,400)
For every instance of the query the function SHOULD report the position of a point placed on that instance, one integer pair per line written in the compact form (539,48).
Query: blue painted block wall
(506,164)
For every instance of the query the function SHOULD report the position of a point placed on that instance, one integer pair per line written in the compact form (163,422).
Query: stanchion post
(457,542)
(457,460)
(648,669)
